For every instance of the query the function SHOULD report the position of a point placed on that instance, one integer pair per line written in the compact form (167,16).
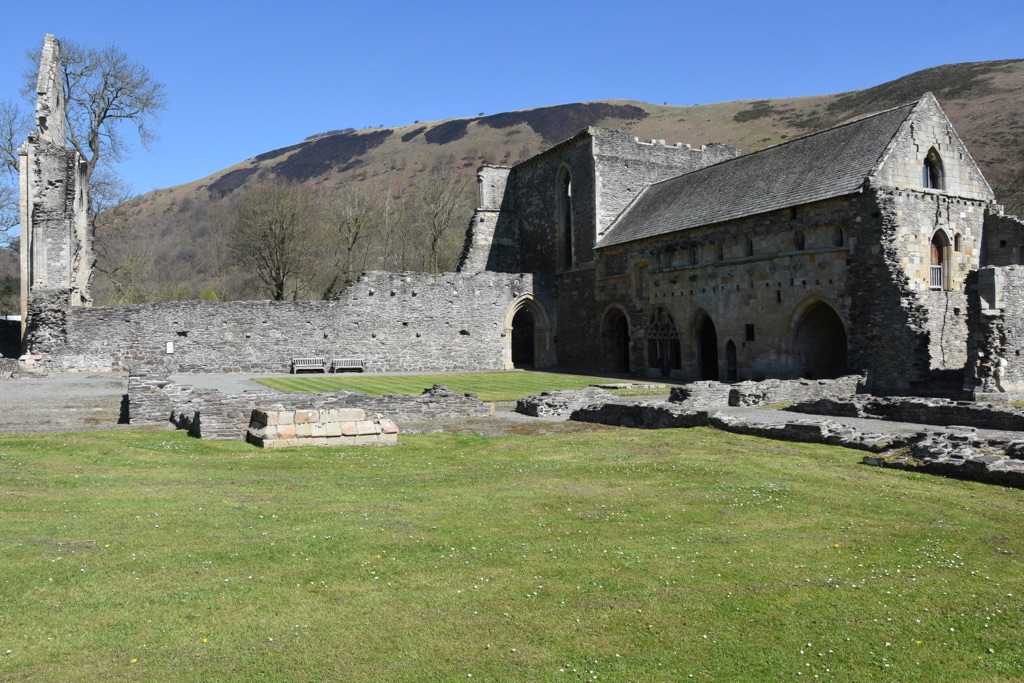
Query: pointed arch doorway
(615,340)
(707,348)
(526,335)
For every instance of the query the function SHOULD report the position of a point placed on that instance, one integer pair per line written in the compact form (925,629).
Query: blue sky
(246,77)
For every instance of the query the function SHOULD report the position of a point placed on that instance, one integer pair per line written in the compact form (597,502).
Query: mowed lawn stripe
(488,386)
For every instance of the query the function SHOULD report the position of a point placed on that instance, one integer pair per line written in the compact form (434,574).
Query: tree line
(285,241)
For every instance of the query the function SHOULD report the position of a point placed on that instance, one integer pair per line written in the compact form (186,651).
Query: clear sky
(247,77)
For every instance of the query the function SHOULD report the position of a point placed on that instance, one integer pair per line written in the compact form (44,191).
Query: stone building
(845,250)
(56,244)
(873,247)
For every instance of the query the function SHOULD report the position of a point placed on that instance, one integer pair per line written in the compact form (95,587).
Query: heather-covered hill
(181,231)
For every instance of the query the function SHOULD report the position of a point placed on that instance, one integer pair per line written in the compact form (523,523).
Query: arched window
(750,247)
(939,273)
(957,244)
(798,240)
(934,176)
(838,237)
(663,342)
(694,259)
(720,252)
(565,219)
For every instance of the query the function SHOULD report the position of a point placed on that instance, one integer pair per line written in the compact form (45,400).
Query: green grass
(623,554)
(489,386)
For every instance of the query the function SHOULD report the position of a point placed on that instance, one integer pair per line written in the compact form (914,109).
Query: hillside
(185,226)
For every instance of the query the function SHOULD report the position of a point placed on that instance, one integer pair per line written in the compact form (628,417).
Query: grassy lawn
(617,555)
(489,386)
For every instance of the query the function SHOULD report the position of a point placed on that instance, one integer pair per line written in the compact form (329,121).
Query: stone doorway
(526,335)
(615,340)
(819,343)
(523,331)
(707,347)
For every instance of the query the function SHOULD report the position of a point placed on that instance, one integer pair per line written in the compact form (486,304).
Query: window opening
(566,220)
(798,240)
(838,237)
(939,269)
(663,342)
(933,173)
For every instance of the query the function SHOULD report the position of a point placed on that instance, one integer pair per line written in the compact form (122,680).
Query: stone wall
(392,321)
(931,411)
(752,277)
(1003,243)
(8,368)
(624,166)
(769,391)
(996,316)
(277,427)
(904,165)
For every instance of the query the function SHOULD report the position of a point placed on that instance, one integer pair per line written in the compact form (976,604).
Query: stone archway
(707,348)
(615,340)
(818,342)
(526,335)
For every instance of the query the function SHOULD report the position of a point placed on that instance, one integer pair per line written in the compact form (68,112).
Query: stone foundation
(276,427)
(209,414)
(930,411)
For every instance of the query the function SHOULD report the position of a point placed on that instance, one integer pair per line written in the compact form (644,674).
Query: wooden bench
(311,363)
(345,364)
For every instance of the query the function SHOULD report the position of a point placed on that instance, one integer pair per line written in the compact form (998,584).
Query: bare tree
(125,261)
(441,208)
(14,127)
(347,220)
(104,91)
(273,235)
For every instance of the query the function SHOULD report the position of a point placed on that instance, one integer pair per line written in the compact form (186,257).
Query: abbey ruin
(873,248)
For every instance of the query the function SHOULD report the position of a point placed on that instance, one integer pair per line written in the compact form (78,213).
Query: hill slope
(185,225)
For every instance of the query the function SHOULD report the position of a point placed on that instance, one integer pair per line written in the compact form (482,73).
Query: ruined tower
(56,246)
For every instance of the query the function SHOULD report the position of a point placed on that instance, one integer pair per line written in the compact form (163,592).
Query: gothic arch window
(663,342)
(565,227)
(933,175)
(798,240)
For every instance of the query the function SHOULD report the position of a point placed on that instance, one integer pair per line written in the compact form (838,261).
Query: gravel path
(62,403)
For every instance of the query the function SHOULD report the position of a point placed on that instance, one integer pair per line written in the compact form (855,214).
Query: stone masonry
(56,243)
(276,427)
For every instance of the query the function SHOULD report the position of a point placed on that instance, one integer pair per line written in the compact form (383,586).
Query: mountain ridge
(984,100)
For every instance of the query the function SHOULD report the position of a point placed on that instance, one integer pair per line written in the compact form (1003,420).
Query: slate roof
(828,164)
